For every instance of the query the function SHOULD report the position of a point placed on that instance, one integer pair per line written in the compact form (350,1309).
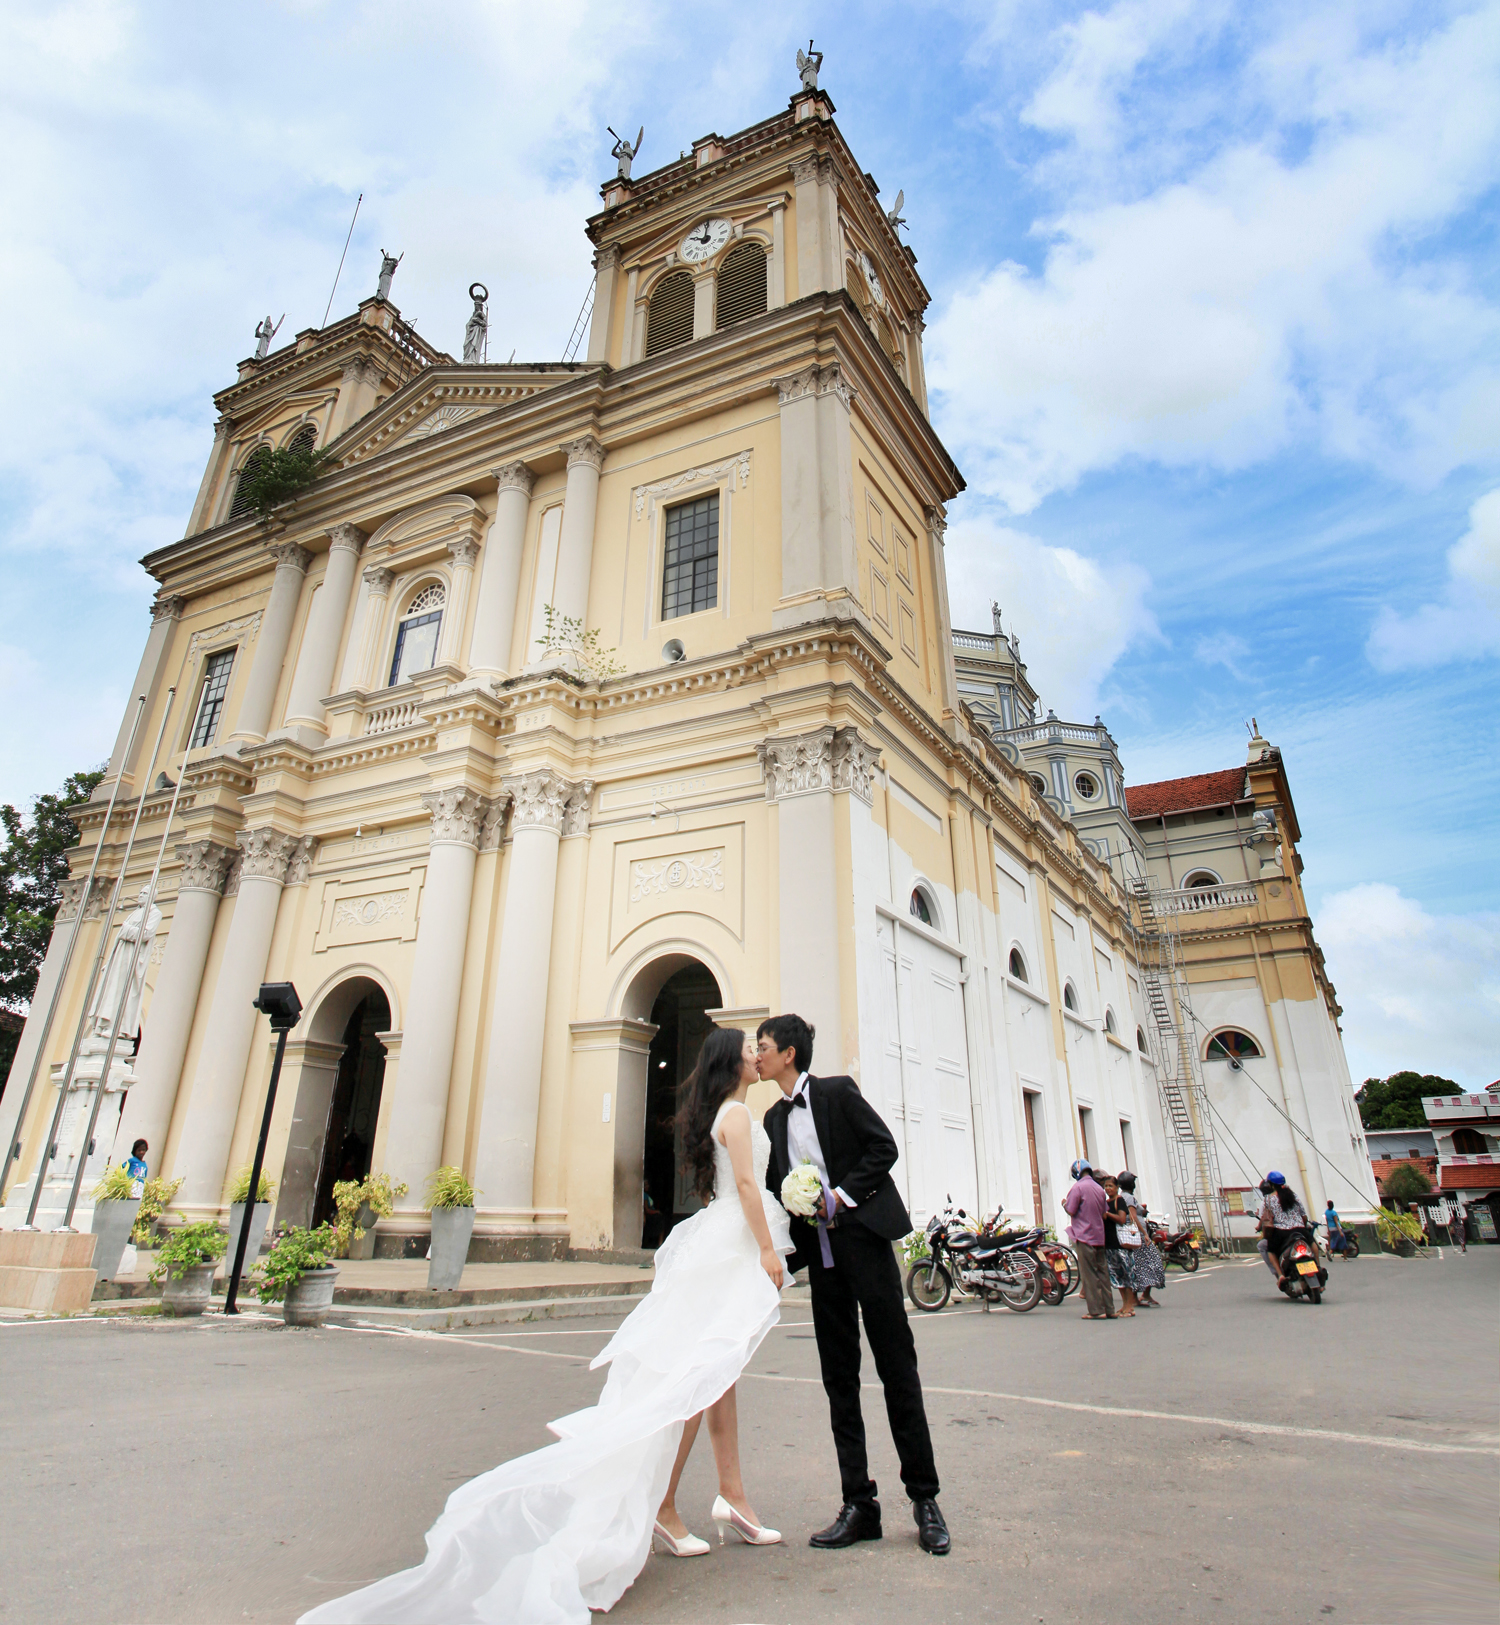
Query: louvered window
(305,438)
(690,581)
(742,284)
(669,319)
(257,458)
(211,698)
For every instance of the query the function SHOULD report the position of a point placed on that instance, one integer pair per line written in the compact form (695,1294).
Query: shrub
(350,1195)
(239,1191)
(279,476)
(154,1199)
(296,1252)
(116,1186)
(1394,1227)
(1406,1183)
(447,1187)
(194,1244)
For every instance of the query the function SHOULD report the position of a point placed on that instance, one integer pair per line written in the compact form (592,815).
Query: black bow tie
(799,1100)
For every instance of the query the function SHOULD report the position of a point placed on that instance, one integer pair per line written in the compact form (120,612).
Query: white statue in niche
(139,927)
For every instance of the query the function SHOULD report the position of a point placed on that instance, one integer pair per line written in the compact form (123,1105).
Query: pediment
(434,405)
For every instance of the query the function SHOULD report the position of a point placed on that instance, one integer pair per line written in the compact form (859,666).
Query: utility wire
(337,274)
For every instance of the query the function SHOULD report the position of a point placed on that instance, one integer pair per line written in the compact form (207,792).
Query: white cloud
(1465,625)
(1279,275)
(1419,990)
(1076,616)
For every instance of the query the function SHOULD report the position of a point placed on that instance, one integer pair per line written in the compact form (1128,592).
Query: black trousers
(865,1277)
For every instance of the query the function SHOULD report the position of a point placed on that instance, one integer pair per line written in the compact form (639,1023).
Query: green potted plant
(1398,1231)
(299,1273)
(239,1195)
(155,1199)
(188,1258)
(451,1199)
(360,1202)
(115,1206)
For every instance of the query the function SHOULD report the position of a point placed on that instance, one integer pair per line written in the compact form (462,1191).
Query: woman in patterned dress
(1147,1271)
(1118,1259)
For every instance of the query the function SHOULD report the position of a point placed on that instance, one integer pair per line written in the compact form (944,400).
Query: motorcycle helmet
(1273,1178)
(1081,1167)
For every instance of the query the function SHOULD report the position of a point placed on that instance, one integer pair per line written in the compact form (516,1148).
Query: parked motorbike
(1302,1276)
(996,1267)
(1178,1247)
(1349,1249)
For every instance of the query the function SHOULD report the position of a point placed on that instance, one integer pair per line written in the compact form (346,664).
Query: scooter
(1302,1276)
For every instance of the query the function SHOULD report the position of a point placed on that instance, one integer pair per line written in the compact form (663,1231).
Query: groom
(826,1121)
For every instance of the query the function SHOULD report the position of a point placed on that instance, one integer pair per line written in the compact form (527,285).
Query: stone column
(358,387)
(165,614)
(543,802)
(629,355)
(606,266)
(365,646)
(203,1149)
(415,1138)
(776,283)
(500,574)
(819,553)
(575,547)
(313,680)
(202,515)
(463,552)
(168,1024)
(704,288)
(271,645)
(937,527)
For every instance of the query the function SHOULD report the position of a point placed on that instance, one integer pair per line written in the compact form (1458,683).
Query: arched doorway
(679,1016)
(349,1133)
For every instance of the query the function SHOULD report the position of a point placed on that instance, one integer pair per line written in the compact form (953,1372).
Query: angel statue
(808,63)
(264,333)
(623,150)
(387,271)
(478,327)
(894,215)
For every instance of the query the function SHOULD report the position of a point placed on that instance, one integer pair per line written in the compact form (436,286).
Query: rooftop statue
(478,328)
(808,63)
(894,215)
(623,151)
(264,333)
(387,271)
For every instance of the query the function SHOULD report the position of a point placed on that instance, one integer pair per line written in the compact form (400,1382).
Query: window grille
(742,285)
(1230,1045)
(433,597)
(257,458)
(669,315)
(417,635)
(305,438)
(690,581)
(211,698)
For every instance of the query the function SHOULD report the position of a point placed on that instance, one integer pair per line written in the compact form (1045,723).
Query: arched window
(669,313)
(417,634)
(256,460)
(1231,1045)
(305,438)
(742,284)
(921,906)
(1086,785)
(1468,1142)
(1070,998)
(1140,1040)
(1202,880)
(1109,1021)
(1018,965)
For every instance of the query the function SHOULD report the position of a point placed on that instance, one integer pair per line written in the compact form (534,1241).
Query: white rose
(802,1191)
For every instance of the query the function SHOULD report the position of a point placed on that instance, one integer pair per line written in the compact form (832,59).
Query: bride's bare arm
(736,1130)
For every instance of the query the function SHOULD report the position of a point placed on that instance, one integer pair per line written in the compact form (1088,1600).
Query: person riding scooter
(1281,1218)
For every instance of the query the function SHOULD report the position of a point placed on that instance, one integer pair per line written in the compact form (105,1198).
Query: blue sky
(1215,337)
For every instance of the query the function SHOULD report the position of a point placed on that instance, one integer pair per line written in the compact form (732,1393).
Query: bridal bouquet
(802,1191)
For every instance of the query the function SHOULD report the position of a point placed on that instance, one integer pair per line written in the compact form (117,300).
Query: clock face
(872,279)
(704,241)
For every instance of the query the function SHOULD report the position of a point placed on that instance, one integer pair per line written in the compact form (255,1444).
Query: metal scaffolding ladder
(1179,1080)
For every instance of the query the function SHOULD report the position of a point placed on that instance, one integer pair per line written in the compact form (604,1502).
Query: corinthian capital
(937,525)
(812,381)
(586,449)
(457,814)
(379,578)
(299,860)
(853,764)
(797,764)
(576,808)
(362,369)
(514,477)
(464,551)
(168,608)
(291,556)
(607,258)
(492,821)
(538,800)
(264,854)
(205,866)
(348,538)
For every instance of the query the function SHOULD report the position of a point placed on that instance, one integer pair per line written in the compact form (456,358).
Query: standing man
(1457,1232)
(851,1268)
(1085,1204)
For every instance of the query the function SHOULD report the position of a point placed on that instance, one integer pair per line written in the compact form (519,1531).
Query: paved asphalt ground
(1233,1457)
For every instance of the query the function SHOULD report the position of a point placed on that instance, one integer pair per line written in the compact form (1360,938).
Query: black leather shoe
(856,1521)
(932,1532)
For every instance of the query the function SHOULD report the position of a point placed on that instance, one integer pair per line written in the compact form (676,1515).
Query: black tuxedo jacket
(858,1152)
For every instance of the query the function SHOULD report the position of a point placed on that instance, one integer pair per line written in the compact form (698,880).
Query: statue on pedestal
(388,264)
(264,333)
(138,928)
(808,63)
(624,152)
(477,330)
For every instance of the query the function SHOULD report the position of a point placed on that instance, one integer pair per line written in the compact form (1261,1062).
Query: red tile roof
(1182,795)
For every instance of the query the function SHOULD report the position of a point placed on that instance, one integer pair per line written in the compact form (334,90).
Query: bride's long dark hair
(713,1081)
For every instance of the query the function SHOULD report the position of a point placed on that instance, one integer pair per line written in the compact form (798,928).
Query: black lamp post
(280,1002)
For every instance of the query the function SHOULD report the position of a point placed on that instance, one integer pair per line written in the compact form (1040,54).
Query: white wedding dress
(545,1538)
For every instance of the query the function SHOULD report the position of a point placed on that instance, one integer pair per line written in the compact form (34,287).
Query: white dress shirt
(802,1144)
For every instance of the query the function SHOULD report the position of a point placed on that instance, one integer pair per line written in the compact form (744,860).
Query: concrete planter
(451,1229)
(188,1293)
(364,1246)
(308,1303)
(258,1222)
(112,1224)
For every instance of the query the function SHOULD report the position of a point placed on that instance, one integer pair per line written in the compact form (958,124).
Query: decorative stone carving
(368,911)
(232,880)
(492,824)
(291,556)
(347,538)
(300,860)
(735,469)
(690,872)
(937,528)
(117,998)
(264,854)
(246,626)
(464,551)
(853,764)
(817,167)
(577,807)
(797,764)
(378,579)
(456,816)
(586,449)
(815,380)
(362,369)
(539,799)
(168,608)
(514,477)
(446,417)
(205,866)
(72,894)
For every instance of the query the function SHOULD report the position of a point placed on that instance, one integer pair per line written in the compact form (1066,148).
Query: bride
(545,1538)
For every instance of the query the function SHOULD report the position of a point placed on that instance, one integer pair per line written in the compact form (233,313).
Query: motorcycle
(1178,1247)
(1302,1276)
(1349,1247)
(995,1267)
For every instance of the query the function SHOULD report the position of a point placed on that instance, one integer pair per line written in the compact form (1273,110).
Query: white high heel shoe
(727,1517)
(688,1546)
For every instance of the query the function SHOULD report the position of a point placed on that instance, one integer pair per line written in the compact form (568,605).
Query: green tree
(1396,1101)
(33,867)
(270,480)
(1405,1183)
